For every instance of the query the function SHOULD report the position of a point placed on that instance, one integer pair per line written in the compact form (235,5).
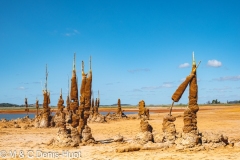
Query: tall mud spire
(85,100)
(46,79)
(69,89)
(90,63)
(68,99)
(74,62)
(68,85)
(98,101)
(190,114)
(82,67)
(74,94)
(88,89)
(74,89)
(98,95)
(45,117)
(82,88)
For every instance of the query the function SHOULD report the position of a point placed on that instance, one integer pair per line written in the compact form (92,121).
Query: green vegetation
(9,105)
(215,102)
(233,102)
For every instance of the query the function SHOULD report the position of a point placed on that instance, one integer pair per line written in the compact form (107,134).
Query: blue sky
(140,49)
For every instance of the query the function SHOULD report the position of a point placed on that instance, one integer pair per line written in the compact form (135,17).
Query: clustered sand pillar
(95,116)
(78,130)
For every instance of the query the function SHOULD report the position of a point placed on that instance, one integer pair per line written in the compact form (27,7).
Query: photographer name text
(39,154)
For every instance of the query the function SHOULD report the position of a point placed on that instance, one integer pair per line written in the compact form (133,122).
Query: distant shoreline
(10,110)
(112,110)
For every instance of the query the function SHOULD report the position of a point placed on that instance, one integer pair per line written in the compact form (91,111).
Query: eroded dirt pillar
(119,109)
(143,112)
(190,114)
(85,105)
(45,114)
(59,118)
(74,98)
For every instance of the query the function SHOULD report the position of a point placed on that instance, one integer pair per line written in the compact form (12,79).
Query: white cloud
(137,90)
(67,34)
(21,88)
(164,85)
(139,70)
(71,32)
(150,88)
(223,89)
(214,63)
(184,65)
(228,78)
(75,31)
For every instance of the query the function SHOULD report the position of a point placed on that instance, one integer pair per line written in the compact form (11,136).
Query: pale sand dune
(223,119)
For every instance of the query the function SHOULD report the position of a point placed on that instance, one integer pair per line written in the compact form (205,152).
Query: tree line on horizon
(215,101)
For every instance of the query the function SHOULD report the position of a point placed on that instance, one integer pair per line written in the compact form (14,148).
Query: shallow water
(32,115)
(15,116)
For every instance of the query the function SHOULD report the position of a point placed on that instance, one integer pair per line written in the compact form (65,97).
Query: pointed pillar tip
(90,63)
(82,67)
(74,61)
(193,59)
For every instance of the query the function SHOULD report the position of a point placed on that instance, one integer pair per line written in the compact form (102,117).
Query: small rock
(237,144)
(24,127)
(118,138)
(16,126)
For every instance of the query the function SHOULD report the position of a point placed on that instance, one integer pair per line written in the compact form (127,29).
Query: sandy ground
(223,119)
